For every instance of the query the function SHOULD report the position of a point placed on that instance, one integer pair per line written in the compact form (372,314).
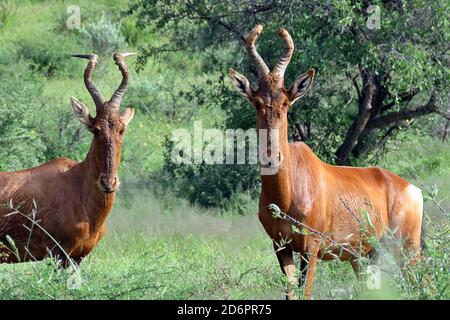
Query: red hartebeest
(72,198)
(332,201)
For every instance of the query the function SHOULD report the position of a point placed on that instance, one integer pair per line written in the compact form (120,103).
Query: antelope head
(270,98)
(108,125)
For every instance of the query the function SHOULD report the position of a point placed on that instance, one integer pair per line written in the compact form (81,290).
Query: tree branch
(392,117)
(353,134)
(218,18)
(355,84)
(403,97)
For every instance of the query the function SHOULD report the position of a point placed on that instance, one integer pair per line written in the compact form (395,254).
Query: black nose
(108,184)
(269,164)
(107,189)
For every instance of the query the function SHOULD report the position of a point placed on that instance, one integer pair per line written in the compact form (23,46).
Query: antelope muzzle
(108,183)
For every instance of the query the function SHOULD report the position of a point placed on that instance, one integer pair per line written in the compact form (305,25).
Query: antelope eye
(95,130)
(259,103)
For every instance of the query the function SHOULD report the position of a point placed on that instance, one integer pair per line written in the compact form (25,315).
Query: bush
(7,9)
(209,185)
(20,143)
(166,95)
(34,129)
(105,36)
(430,278)
(144,95)
(61,133)
(49,57)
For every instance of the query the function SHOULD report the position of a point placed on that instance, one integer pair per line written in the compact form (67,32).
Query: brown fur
(333,200)
(336,201)
(70,205)
(72,199)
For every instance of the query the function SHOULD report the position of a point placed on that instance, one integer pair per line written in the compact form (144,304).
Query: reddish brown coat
(343,206)
(63,204)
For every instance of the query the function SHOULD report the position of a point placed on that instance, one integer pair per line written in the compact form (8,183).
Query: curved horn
(95,94)
(118,94)
(282,64)
(261,66)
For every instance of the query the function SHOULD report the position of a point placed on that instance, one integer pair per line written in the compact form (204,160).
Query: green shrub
(144,95)
(20,143)
(35,128)
(49,56)
(104,35)
(132,35)
(209,185)
(61,133)
(7,9)
(430,278)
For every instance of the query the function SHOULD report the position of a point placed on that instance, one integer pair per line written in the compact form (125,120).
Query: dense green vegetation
(191,231)
(372,85)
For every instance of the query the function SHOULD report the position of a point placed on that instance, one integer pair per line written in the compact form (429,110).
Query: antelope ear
(241,84)
(82,112)
(128,116)
(301,85)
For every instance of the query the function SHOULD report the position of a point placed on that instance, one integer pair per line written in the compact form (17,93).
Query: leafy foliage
(49,60)
(406,55)
(105,36)
(20,144)
(403,60)
(7,10)
(209,185)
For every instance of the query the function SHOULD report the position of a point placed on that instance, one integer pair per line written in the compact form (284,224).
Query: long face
(271,100)
(108,130)
(108,127)
(271,106)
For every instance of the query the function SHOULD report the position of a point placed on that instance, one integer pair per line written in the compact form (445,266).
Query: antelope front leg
(311,271)
(286,259)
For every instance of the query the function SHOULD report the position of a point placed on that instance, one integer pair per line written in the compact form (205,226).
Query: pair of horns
(261,66)
(95,94)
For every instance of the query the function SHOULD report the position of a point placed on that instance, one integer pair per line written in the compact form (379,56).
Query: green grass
(166,249)
(159,254)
